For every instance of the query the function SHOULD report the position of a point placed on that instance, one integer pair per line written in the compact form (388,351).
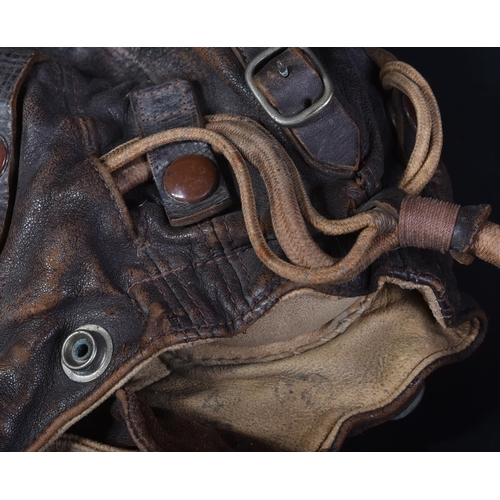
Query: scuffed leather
(77,252)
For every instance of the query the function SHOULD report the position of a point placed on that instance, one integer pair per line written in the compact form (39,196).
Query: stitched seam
(209,327)
(217,263)
(162,89)
(146,254)
(238,256)
(138,306)
(233,247)
(131,426)
(160,289)
(448,312)
(341,328)
(189,266)
(184,287)
(243,54)
(180,111)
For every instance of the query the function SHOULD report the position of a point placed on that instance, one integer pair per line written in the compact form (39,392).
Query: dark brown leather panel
(77,253)
(14,66)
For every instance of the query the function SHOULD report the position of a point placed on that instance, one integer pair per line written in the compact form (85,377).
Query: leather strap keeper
(168,106)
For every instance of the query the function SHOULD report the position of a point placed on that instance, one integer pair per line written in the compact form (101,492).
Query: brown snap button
(3,155)
(191,178)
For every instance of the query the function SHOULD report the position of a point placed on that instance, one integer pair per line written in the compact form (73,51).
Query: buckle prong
(306,114)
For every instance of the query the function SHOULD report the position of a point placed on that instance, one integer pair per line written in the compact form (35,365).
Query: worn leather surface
(15,65)
(337,153)
(167,106)
(77,252)
(298,397)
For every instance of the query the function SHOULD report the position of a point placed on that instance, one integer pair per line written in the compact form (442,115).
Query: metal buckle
(306,114)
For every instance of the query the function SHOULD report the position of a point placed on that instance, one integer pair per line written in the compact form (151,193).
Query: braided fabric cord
(240,138)
(275,166)
(423,223)
(487,244)
(425,157)
(368,247)
(135,173)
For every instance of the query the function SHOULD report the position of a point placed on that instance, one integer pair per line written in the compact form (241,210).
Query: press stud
(191,178)
(86,353)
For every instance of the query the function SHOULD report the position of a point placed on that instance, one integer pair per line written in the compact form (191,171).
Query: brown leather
(3,155)
(14,68)
(329,141)
(170,105)
(79,252)
(298,395)
(191,178)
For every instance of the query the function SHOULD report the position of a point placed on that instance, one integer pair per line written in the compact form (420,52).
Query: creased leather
(14,67)
(78,252)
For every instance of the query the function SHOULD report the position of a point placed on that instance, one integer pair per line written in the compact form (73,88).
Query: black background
(460,410)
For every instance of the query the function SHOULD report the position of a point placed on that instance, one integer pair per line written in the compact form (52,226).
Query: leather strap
(167,106)
(330,140)
(14,67)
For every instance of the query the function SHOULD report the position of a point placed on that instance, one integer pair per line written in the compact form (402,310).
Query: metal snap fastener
(191,179)
(86,353)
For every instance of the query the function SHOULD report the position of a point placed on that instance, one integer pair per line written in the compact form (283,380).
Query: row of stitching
(146,252)
(184,287)
(223,274)
(448,312)
(179,111)
(343,324)
(240,260)
(189,266)
(162,89)
(241,317)
(130,423)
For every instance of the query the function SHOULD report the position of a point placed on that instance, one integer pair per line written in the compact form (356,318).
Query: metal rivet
(86,353)
(283,69)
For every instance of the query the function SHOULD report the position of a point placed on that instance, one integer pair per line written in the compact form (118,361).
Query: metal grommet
(86,353)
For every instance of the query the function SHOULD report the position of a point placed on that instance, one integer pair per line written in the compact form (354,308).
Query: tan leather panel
(300,402)
(297,322)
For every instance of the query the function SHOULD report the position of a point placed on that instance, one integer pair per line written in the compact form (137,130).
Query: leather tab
(329,141)
(167,106)
(14,67)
